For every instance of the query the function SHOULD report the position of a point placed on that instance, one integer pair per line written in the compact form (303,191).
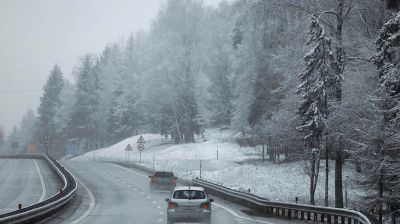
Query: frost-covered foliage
(50,103)
(386,157)
(316,82)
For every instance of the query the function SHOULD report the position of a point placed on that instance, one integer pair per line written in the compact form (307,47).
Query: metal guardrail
(289,210)
(50,206)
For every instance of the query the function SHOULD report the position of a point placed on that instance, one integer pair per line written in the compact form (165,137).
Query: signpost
(140,146)
(127,150)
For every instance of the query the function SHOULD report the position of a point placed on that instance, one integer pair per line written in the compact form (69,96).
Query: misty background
(36,34)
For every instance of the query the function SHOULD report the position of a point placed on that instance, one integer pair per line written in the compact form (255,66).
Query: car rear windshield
(189,194)
(164,174)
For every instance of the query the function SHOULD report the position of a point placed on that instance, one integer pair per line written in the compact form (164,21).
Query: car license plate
(189,207)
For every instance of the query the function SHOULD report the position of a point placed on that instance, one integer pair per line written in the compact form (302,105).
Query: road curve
(26,182)
(108,193)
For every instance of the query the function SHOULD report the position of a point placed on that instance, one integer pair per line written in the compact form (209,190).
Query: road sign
(140,147)
(141,140)
(128,148)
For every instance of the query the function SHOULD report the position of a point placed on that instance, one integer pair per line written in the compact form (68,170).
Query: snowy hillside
(236,167)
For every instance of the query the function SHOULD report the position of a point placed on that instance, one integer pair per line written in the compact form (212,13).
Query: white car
(189,204)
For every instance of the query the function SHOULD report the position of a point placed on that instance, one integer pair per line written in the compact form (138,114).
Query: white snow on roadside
(235,168)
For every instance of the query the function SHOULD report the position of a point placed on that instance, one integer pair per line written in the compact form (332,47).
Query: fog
(36,34)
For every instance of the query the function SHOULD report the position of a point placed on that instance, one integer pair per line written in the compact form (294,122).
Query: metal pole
(200,169)
(153,162)
(140,157)
(217,152)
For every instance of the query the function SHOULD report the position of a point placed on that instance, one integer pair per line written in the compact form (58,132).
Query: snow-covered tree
(387,154)
(316,83)
(50,102)
(81,126)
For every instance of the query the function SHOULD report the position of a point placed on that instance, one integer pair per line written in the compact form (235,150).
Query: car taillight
(172,205)
(205,205)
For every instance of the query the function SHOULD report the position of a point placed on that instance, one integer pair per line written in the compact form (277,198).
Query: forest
(316,79)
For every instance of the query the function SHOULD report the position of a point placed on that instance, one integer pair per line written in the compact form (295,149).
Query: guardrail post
(289,213)
(308,216)
(315,217)
(270,211)
(335,219)
(302,215)
(323,218)
(19,206)
(342,220)
(329,219)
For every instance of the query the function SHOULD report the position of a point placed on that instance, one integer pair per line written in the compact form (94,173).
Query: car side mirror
(167,199)
(150,176)
(211,200)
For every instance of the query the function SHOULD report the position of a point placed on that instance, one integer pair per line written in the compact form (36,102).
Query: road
(25,181)
(109,193)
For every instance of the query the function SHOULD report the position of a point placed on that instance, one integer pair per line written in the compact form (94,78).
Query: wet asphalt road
(109,193)
(26,182)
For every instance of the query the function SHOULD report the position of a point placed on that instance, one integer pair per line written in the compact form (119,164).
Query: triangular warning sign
(141,140)
(129,148)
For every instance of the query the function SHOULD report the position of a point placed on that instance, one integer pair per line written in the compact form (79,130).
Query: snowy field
(236,167)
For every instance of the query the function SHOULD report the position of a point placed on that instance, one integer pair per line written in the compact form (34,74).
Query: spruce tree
(317,82)
(81,126)
(386,156)
(50,102)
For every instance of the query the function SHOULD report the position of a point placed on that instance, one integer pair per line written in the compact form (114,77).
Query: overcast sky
(36,34)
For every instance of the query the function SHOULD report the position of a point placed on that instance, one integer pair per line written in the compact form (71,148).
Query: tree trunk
(358,166)
(326,174)
(312,192)
(338,179)
(380,211)
(263,152)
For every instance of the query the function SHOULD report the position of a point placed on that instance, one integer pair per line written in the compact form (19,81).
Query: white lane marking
(238,216)
(129,170)
(227,209)
(44,190)
(91,205)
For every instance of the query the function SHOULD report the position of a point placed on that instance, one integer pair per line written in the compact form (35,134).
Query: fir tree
(316,83)
(50,103)
(81,126)
(386,157)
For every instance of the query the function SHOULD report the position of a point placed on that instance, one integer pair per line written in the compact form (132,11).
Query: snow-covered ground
(236,167)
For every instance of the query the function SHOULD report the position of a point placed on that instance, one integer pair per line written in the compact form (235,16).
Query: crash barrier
(42,210)
(288,210)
